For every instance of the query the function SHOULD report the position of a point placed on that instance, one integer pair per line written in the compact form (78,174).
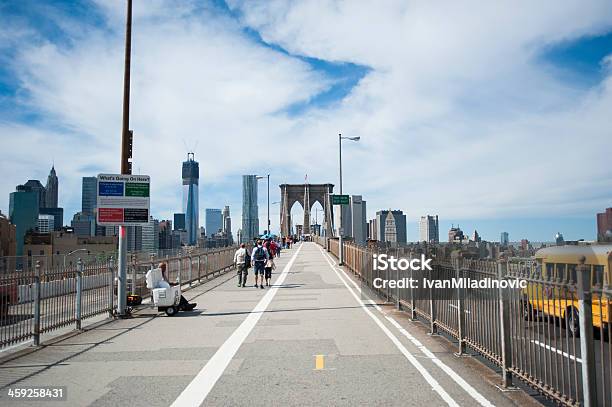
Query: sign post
(123,200)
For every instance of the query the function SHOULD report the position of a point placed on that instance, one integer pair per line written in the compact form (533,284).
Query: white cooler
(166,297)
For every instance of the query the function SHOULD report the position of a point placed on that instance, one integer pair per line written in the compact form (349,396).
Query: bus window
(560,271)
(598,274)
(550,270)
(571,273)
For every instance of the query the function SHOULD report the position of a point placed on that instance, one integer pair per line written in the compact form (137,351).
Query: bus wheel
(572,321)
(171,311)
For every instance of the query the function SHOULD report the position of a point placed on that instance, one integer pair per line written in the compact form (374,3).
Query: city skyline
(506,141)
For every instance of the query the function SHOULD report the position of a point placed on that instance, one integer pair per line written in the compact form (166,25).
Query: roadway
(310,339)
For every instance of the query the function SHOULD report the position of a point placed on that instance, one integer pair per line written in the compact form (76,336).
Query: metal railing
(43,297)
(542,334)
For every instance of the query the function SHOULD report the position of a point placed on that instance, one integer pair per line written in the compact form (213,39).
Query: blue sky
(503,131)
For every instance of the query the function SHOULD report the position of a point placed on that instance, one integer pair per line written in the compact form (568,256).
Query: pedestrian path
(310,339)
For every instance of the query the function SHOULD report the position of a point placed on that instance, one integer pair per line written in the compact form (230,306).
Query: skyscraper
(227,223)
(191,180)
(250,210)
(34,185)
(391,226)
(150,235)
(214,221)
(46,223)
(357,220)
(179,221)
(51,189)
(504,239)
(89,195)
(429,229)
(23,213)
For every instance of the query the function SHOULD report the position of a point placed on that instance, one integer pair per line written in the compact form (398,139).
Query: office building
(604,226)
(559,240)
(134,238)
(51,190)
(179,221)
(391,226)
(8,244)
(429,230)
(214,222)
(250,210)
(191,180)
(227,223)
(58,216)
(23,213)
(372,229)
(165,235)
(34,185)
(358,223)
(150,235)
(456,235)
(46,223)
(504,239)
(89,195)
(83,224)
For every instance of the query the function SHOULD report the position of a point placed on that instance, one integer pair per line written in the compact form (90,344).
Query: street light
(268,177)
(340,228)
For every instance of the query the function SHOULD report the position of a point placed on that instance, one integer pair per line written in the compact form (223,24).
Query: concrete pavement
(309,340)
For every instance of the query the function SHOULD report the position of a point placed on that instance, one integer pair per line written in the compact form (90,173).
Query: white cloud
(457,116)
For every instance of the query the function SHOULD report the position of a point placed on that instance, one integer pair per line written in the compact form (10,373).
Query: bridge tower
(306,194)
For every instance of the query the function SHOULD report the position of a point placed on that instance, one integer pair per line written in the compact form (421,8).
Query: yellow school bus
(558,265)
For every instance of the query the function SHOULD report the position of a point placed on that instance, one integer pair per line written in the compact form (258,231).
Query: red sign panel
(110,214)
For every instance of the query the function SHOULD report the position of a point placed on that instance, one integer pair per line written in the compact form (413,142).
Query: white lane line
(428,377)
(445,368)
(559,351)
(201,385)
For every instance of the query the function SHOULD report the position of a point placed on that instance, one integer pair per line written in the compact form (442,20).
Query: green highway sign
(340,199)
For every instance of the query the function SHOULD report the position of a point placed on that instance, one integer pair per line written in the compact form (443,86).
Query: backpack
(247,259)
(260,254)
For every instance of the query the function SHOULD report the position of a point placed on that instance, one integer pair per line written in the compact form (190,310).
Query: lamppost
(268,177)
(340,228)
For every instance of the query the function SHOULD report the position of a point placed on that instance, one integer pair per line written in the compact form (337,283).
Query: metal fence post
(412,301)
(504,326)
(198,268)
(587,350)
(36,330)
(432,307)
(460,308)
(111,287)
(79,293)
(398,304)
(190,270)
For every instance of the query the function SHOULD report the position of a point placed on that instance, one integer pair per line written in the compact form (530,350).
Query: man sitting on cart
(184,305)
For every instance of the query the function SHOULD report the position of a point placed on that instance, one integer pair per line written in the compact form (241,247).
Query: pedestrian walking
(258,259)
(268,270)
(242,262)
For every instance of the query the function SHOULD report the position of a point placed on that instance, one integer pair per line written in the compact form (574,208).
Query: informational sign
(340,199)
(123,199)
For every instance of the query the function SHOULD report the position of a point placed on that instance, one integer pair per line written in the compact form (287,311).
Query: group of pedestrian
(261,259)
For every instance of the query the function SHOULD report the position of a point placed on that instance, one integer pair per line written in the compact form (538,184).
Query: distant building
(51,190)
(150,235)
(8,243)
(504,239)
(89,195)
(559,241)
(358,223)
(23,213)
(34,185)
(134,238)
(46,223)
(191,181)
(456,235)
(525,244)
(476,236)
(58,216)
(179,221)
(429,229)
(165,235)
(250,209)
(227,223)
(83,224)
(372,229)
(604,226)
(391,226)
(214,221)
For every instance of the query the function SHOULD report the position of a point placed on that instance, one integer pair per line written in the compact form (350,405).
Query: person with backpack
(258,259)
(242,260)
